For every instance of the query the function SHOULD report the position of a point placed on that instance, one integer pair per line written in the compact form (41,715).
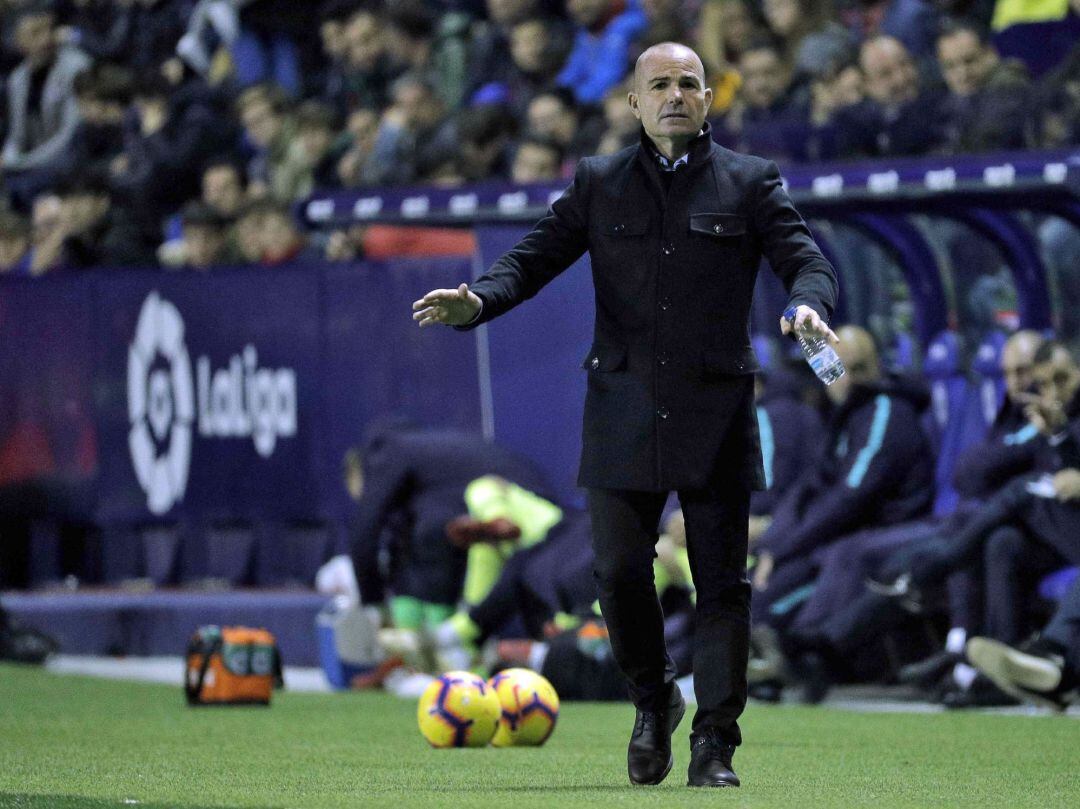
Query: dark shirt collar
(698,150)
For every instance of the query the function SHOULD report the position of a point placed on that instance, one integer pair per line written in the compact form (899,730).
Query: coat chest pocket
(718,225)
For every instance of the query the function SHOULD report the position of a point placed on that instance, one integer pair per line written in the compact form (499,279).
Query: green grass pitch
(80,743)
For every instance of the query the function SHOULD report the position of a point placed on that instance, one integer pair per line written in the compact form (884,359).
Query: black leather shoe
(928,671)
(649,759)
(710,762)
(982,693)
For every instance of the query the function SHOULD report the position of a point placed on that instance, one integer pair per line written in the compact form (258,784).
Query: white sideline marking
(167,670)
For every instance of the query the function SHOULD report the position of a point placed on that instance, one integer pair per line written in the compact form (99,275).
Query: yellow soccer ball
(530,708)
(459,709)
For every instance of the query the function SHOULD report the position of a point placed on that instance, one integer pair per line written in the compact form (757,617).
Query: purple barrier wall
(225,396)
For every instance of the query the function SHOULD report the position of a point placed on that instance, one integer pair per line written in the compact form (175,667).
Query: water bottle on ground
(819,354)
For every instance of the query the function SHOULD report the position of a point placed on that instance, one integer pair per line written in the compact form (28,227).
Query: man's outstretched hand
(807,321)
(453,307)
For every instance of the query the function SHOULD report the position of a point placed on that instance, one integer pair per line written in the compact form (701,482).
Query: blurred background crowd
(180,132)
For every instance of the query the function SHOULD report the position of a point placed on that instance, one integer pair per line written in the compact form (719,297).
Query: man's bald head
(1017,360)
(659,55)
(669,96)
(858,352)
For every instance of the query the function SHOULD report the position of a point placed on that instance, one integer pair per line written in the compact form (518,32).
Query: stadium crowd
(180,132)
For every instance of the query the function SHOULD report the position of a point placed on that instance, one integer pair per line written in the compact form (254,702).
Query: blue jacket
(788,430)
(877,469)
(598,61)
(1008,450)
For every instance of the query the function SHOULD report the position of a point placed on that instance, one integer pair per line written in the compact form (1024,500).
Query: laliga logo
(161,404)
(239,401)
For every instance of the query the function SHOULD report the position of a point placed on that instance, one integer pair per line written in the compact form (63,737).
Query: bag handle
(195,691)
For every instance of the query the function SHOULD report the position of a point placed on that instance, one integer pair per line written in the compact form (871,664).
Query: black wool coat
(670,389)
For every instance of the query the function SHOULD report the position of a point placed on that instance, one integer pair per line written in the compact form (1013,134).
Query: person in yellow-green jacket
(547,586)
(409,484)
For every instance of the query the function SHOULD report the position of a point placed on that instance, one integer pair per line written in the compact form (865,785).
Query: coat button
(718,228)
(669,249)
(663,358)
(595,363)
(663,413)
(620,228)
(665,304)
(739,364)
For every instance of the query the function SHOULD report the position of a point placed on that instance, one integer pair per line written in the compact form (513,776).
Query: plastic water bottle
(819,354)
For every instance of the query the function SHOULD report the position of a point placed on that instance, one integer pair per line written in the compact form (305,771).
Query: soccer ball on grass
(459,709)
(529,705)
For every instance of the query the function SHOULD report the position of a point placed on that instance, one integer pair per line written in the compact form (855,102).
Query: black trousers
(625,527)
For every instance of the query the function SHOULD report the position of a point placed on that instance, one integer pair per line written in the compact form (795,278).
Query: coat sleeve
(557,241)
(385,478)
(982,469)
(880,450)
(794,256)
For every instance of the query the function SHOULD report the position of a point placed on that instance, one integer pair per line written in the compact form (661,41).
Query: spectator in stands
(361,130)
(811,41)
(536,161)
(267,49)
(988,98)
(247,232)
(911,22)
(414,45)
(205,239)
(270,130)
(537,53)
(409,126)
(725,26)
(838,86)
(334,16)
(1041,35)
(174,130)
(600,56)
(556,116)
(485,134)
(367,74)
(665,21)
(97,232)
(621,127)
(1057,106)
(897,117)
(311,159)
(763,119)
(42,111)
(14,244)
(283,243)
(156,28)
(47,234)
(103,29)
(103,94)
(223,186)
(876,469)
(489,49)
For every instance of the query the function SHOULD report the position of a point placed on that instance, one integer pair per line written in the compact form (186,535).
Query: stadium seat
(989,381)
(949,393)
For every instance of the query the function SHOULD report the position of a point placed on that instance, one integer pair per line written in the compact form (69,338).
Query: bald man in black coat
(676,227)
